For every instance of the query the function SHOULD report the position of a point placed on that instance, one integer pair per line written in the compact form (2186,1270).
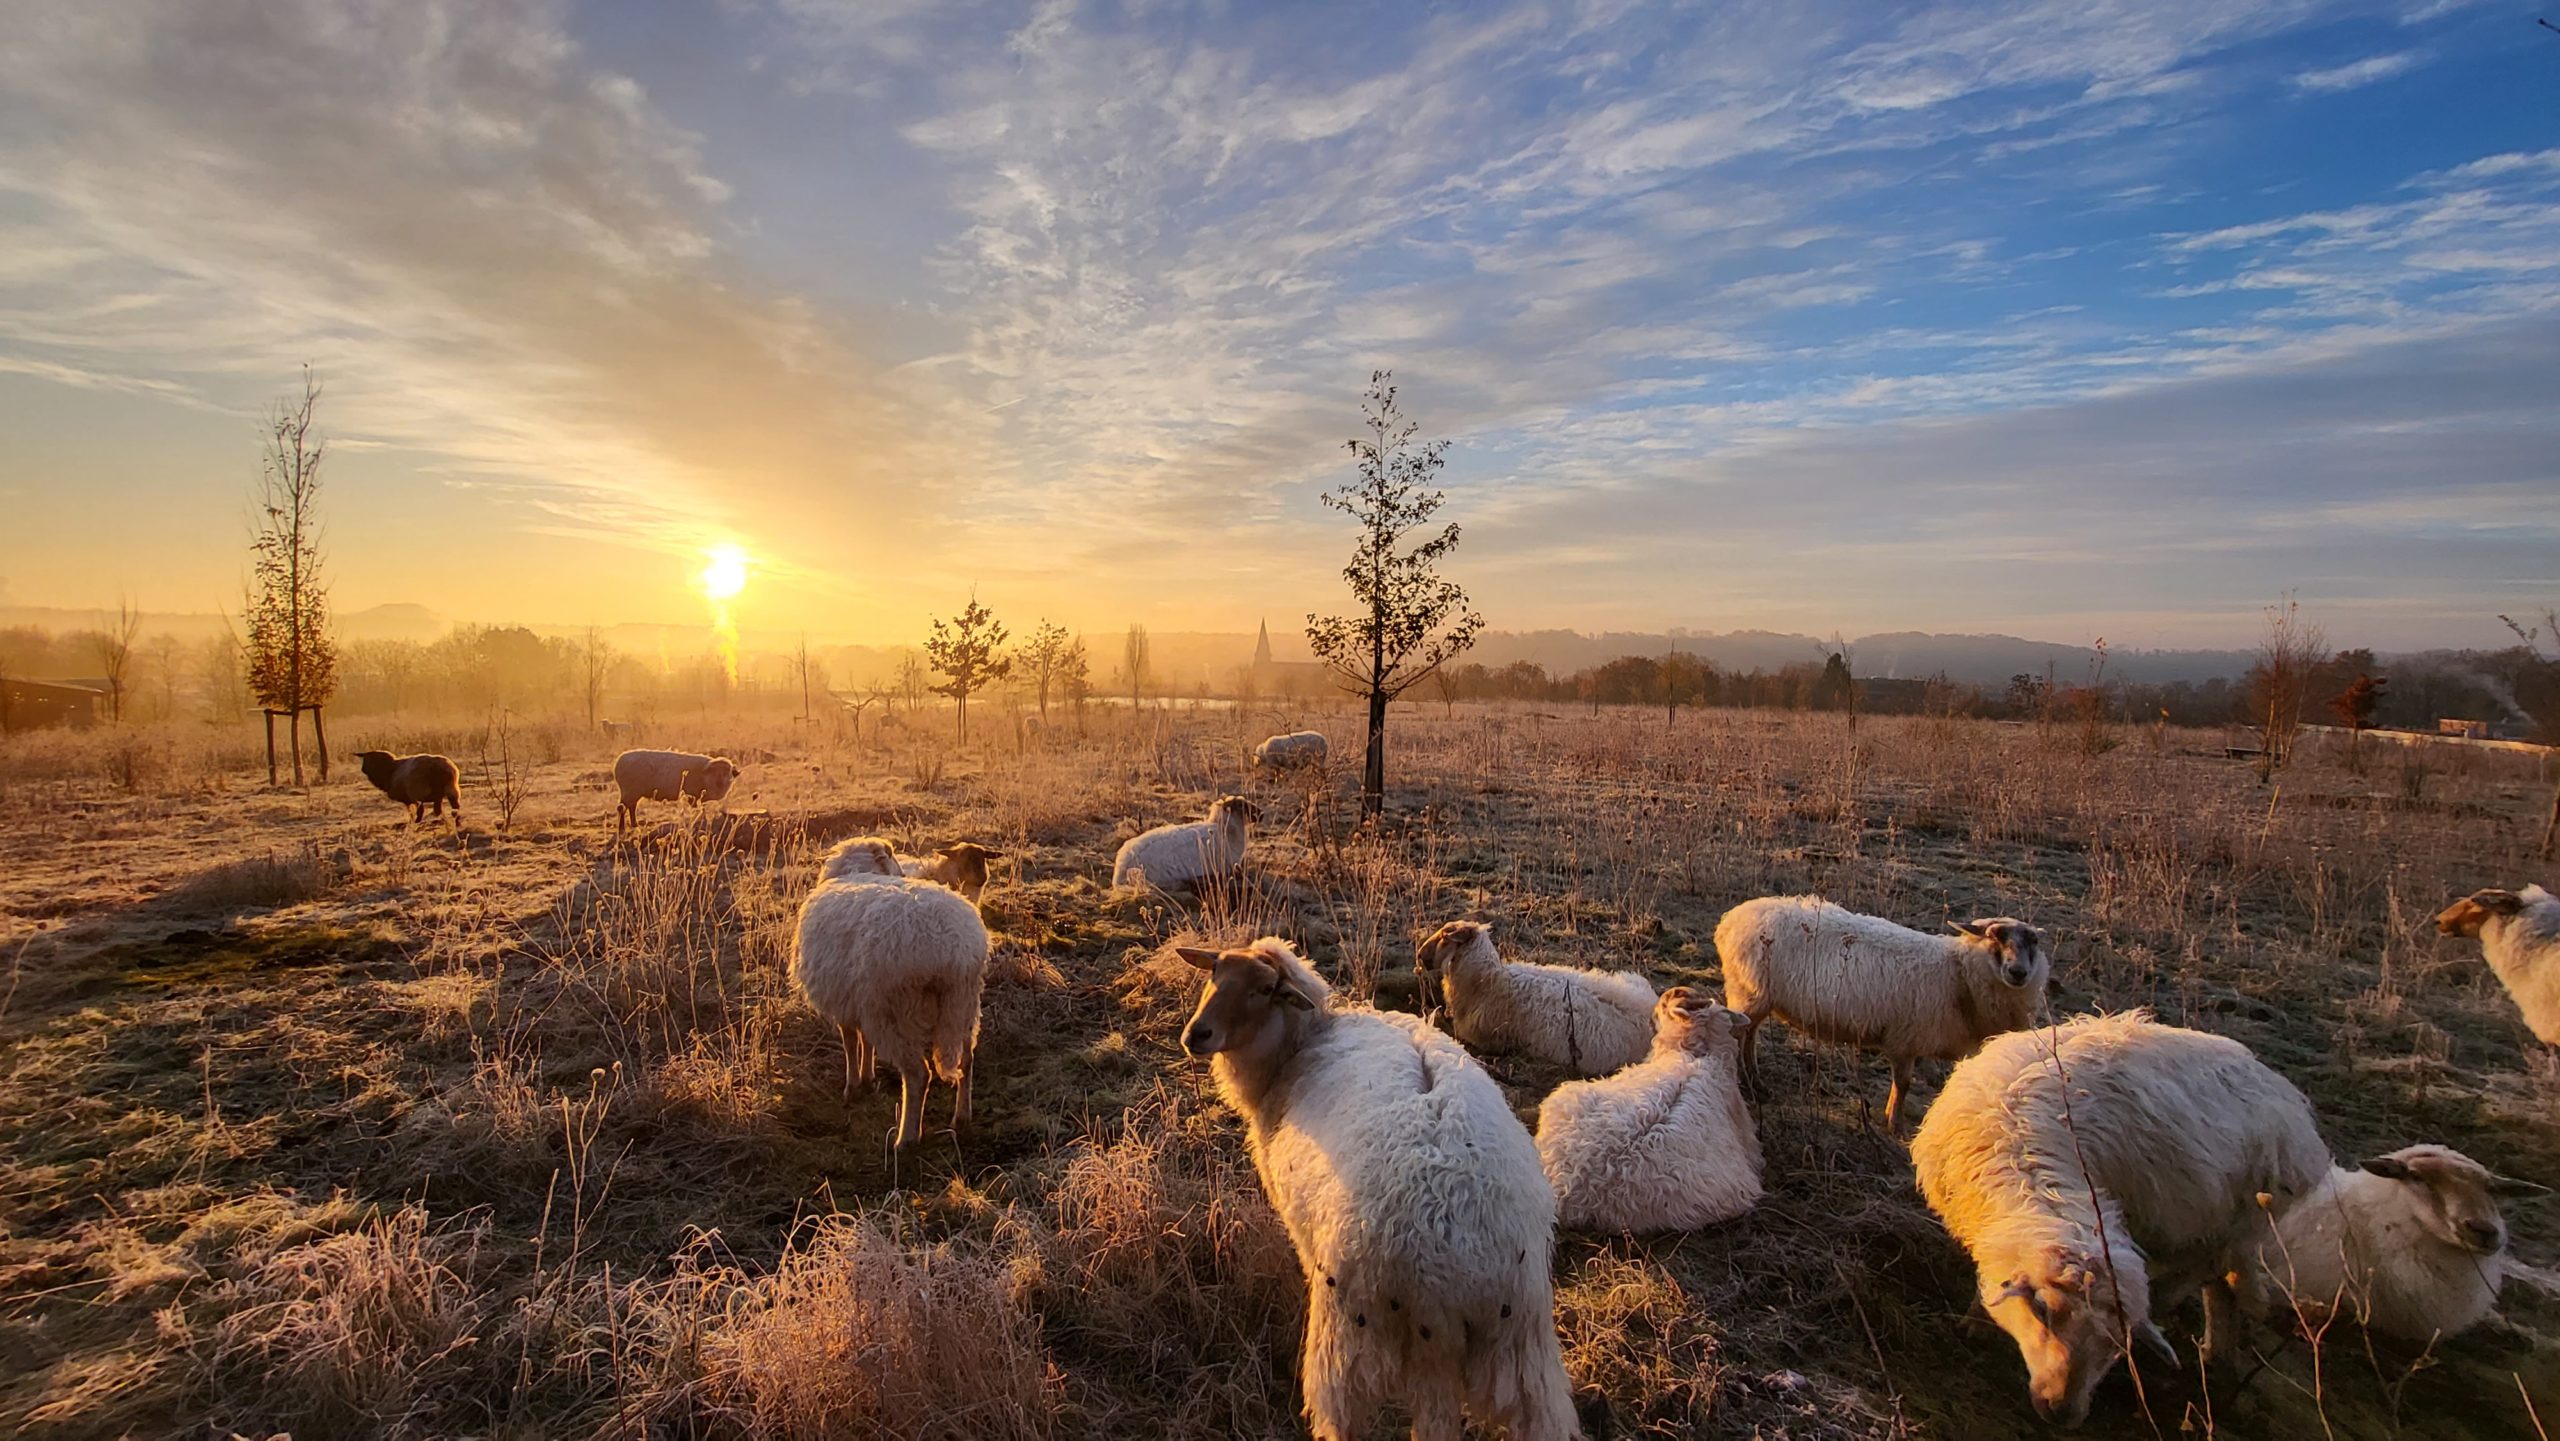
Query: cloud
(2357,74)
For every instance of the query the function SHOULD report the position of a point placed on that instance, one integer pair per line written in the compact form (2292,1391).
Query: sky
(2069,320)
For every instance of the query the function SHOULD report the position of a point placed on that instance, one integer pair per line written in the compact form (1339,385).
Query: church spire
(1262,646)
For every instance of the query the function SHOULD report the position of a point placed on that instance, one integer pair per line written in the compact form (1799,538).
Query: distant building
(2477,730)
(32,704)
(1286,677)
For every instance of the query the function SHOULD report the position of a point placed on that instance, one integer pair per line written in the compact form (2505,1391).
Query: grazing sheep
(417,782)
(2519,935)
(670,776)
(1591,1021)
(1664,1145)
(1839,976)
(2143,1175)
(1193,854)
(2411,1245)
(1289,752)
(961,865)
(897,967)
(860,858)
(1412,1194)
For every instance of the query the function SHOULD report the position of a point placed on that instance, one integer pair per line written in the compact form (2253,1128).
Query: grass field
(317,1122)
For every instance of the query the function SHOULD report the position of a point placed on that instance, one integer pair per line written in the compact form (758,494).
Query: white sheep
(2519,935)
(1413,1197)
(2410,1245)
(645,775)
(2142,1174)
(897,966)
(1195,853)
(1864,981)
(961,865)
(1664,1145)
(1592,1022)
(1289,752)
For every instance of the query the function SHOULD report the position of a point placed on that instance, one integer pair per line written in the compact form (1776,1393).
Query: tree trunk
(964,717)
(320,738)
(1373,774)
(271,745)
(293,733)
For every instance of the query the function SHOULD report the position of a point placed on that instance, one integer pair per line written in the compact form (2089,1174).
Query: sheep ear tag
(1199,959)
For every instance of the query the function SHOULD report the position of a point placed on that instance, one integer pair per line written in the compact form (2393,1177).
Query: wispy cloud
(2356,74)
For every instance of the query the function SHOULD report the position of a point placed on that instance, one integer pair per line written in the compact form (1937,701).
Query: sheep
(897,967)
(669,776)
(1592,1022)
(1192,854)
(1289,752)
(1664,1145)
(2409,1245)
(1839,976)
(2141,1174)
(417,782)
(961,865)
(2519,935)
(1411,1193)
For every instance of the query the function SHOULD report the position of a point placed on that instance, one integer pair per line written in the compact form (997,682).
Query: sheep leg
(1751,1052)
(960,1101)
(911,1088)
(1436,1419)
(1893,1101)
(855,1070)
(2221,1322)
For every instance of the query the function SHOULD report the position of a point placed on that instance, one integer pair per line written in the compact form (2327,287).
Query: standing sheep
(1413,1197)
(669,776)
(897,967)
(1664,1145)
(2519,935)
(2410,1245)
(1590,1021)
(417,782)
(1864,981)
(2088,1166)
(961,865)
(1193,854)
(1290,752)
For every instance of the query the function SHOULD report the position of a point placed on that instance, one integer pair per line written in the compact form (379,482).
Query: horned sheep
(2092,1166)
(1664,1145)
(1413,1196)
(1592,1022)
(2519,935)
(961,865)
(1862,980)
(1290,752)
(645,775)
(2409,1245)
(897,966)
(417,781)
(1194,853)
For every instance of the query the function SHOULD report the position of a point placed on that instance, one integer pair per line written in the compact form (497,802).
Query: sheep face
(2016,950)
(377,766)
(872,858)
(1690,1022)
(1243,1006)
(962,865)
(2457,1196)
(2062,1311)
(1438,951)
(2465,917)
(711,782)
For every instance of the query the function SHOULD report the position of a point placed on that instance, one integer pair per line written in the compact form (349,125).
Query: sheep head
(2018,952)
(867,856)
(2457,1196)
(1237,806)
(1435,953)
(962,865)
(1687,1021)
(2465,917)
(1249,1001)
(2072,1322)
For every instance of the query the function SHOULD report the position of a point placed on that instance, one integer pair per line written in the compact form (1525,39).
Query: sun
(724,572)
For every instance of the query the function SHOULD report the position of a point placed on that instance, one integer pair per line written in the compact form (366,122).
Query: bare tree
(114,648)
(2289,652)
(2543,642)
(595,666)
(1042,656)
(1075,679)
(1134,664)
(807,671)
(163,654)
(968,651)
(913,681)
(1410,619)
(292,664)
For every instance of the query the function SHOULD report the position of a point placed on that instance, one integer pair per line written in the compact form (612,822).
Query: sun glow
(724,573)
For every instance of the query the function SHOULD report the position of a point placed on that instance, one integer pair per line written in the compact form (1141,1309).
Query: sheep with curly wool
(417,781)
(897,966)
(1591,1022)
(1195,853)
(2519,935)
(647,775)
(961,865)
(1664,1145)
(1864,981)
(2091,1166)
(1294,751)
(2410,1245)
(1412,1194)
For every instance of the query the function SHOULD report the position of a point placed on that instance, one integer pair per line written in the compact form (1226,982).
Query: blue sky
(2061,320)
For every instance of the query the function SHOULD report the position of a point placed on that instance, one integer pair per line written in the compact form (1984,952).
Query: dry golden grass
(316,1121)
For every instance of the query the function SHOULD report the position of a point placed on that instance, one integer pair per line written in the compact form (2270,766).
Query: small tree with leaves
(1043,656)
(293,666)
(969,652)
(1075,679)
(1410,619)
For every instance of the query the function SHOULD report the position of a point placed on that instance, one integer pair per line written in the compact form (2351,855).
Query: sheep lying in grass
(961,865)
(1839,976)
(897,966)
(2140,1176)
(2519,935)
(1590,1021)
(1194,854)
(1664,1145)
(2410,1245)
(1290,752)
(1411,1192)
(417,782)
(644,775)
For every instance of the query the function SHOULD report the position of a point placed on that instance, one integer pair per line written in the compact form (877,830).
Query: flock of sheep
(2092,1167)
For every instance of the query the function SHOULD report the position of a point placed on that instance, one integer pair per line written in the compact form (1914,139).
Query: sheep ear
(1200,959)
(986,854)
(2390,1168)
(1290,996)
(2151,1336)
(1970,928)
(2498,902)
(2508,1188)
